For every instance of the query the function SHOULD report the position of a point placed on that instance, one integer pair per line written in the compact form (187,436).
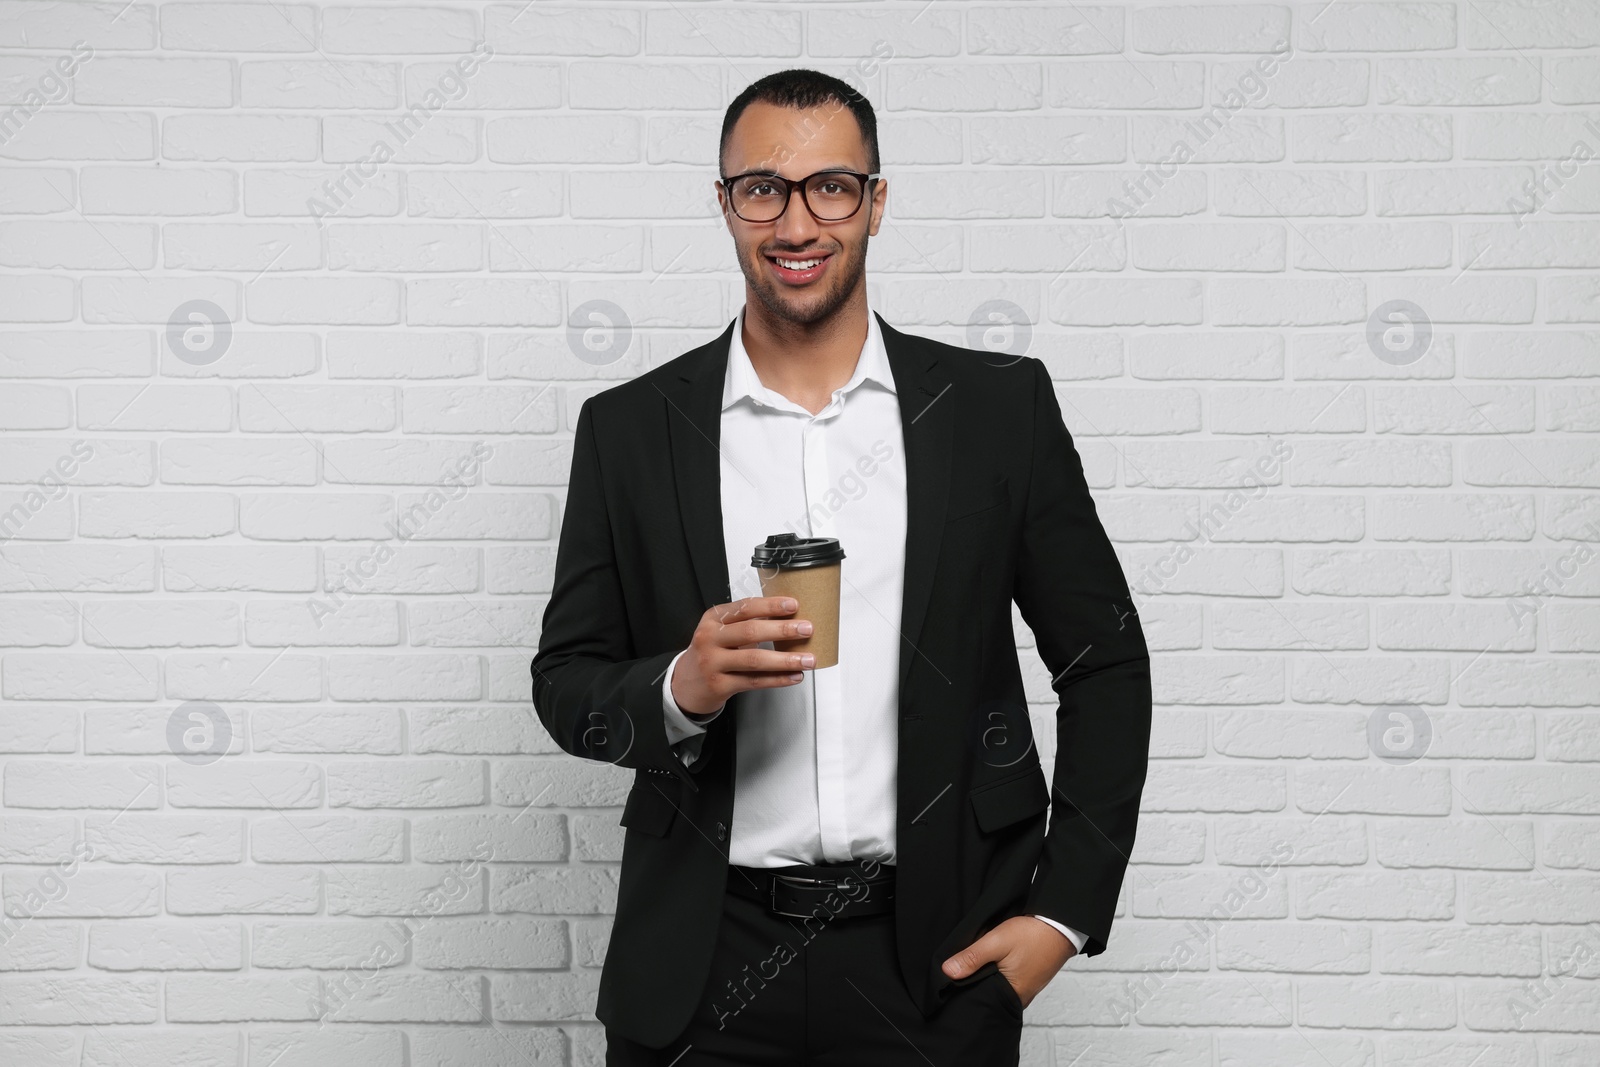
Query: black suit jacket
(997,509)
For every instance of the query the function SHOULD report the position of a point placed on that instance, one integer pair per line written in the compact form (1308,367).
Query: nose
(795,226)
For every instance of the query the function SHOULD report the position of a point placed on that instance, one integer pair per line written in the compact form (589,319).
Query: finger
(769,679)
(739,660)
(755,607)
(754,631)
(987,948)
(731,684)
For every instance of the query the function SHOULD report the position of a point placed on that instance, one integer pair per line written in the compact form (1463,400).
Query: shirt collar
(742,382)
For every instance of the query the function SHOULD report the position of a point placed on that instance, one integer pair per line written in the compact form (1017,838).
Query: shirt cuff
(679,726)
(1077,938)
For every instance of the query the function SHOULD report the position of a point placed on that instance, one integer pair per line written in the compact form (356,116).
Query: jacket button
(722,832)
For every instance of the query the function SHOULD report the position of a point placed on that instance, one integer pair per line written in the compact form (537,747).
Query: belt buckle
(791,879)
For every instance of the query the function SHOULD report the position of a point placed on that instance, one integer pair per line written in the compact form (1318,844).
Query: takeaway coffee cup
(808,569)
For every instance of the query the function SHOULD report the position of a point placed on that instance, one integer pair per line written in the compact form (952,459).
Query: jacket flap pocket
(1010,801)
(988,496)
(652,806)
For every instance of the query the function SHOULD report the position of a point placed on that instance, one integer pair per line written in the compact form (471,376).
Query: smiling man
(857,862)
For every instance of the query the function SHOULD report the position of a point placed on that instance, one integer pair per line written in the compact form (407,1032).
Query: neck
(805,361)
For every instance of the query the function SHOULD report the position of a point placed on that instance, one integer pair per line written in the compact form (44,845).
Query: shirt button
(722,832)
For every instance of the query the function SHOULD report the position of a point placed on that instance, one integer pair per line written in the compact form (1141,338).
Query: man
(846,865)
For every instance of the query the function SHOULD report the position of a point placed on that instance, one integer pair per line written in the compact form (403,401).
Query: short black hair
(802,89)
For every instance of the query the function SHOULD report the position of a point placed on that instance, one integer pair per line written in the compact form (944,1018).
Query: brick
(79,891)
(1473,409)
(291,1047)
(410,892)
(408,784)
(1200,246)
(40,24)
(1290,841)
(1214,788)
(1217,28)
(1381,27)
(1215,135)
(1566,899)
(243,890)
(1369,680)
(1453,517)
(734,33)
(1246,191)
(1557,790)
(1476,81)
(1306,948)
(328,945)
(1455,190)
(213,998)
(307,83)
(1394,1004)
(502,944)
(190,945)
(1286,301)
(328,839)
(1437,950)
(1375,895)
(566,997)
(1478,844)
(507,838)
(412,998)
(165,838)
(440,1046)
(238,27)
(1533,573)
(1527,681)
(89,784)
(242,138)
(1453,627)
(1288,626)
(1350,356)
(68,1001)
(1502,24)
(177,83)
(398,29)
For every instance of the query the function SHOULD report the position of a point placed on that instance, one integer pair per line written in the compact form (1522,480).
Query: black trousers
(786,992)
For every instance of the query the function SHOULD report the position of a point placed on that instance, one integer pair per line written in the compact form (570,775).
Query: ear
(719,197)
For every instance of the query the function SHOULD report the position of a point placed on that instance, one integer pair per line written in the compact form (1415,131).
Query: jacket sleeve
(594,694)
(1072,593)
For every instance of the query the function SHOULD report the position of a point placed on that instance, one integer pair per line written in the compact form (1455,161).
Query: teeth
(799,264)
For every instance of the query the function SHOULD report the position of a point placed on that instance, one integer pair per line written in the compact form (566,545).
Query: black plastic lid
(791,551)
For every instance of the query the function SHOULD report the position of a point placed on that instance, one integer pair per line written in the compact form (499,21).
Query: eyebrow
(820,170)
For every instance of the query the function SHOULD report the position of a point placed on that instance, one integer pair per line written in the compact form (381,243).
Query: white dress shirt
(816,768)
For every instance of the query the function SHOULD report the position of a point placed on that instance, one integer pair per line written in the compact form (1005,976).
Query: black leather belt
(824,892)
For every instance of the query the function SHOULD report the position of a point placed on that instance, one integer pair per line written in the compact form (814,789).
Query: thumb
(972,957)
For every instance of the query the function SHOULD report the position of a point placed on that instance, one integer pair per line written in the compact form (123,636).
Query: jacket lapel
(693,402)
(927,419)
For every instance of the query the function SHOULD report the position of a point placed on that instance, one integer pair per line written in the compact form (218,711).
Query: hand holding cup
(724,658)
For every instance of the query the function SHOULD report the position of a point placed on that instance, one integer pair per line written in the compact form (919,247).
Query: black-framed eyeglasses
(830,195)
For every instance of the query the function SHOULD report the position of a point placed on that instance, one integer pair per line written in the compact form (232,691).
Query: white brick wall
(317,543)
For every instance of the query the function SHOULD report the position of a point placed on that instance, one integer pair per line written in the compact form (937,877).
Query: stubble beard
(844,275)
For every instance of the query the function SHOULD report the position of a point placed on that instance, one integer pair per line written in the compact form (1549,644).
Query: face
(794,143)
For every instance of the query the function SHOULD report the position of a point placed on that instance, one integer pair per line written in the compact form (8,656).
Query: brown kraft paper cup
(812,578)
(816,589)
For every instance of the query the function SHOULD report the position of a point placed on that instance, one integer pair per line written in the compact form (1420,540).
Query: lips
(800,277)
